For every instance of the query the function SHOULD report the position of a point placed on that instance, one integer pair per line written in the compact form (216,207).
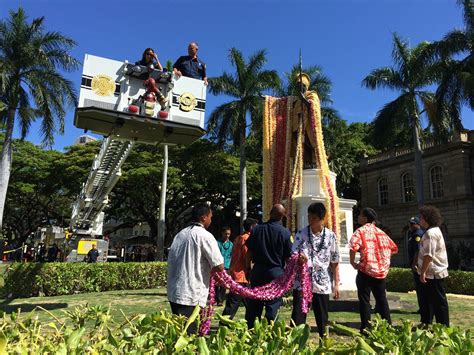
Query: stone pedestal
(314,192)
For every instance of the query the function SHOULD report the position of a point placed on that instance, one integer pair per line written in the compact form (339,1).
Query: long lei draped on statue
(282,169)
(272,290)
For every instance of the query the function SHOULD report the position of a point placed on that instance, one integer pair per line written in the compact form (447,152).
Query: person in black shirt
(149,57)
(269,246)
(53,253)
(93,254)
(414,235)
(190,65)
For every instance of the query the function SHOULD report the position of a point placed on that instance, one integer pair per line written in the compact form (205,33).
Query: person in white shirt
(194,253)
(432,266)
(317,246)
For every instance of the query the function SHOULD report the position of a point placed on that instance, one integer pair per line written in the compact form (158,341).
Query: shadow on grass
(403,311)
(28,307)
(344,306)
(151,294)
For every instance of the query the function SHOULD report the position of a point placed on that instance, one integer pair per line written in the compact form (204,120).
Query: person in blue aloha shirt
(319,249)
(225,246)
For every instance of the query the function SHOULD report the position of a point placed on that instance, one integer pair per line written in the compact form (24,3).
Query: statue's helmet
(304,80)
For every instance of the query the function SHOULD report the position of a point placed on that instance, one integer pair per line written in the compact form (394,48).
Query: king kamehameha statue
(293,140)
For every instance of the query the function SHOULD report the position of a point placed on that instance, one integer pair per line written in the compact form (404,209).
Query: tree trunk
(6,161)
(418,161)
(243,173)
(160,241)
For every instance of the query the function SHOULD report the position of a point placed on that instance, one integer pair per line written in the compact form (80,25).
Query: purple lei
(270,291)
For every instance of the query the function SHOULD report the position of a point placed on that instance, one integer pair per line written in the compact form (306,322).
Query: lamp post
(160,243)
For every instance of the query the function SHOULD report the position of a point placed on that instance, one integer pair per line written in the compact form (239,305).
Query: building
(388,185)
(84,139)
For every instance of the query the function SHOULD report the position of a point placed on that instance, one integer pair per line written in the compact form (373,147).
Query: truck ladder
(87,212)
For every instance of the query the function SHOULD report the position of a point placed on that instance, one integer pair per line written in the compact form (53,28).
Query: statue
(293,141)
(302,107)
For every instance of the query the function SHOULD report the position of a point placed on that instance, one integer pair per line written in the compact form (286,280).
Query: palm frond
(386,78)
(238,62)
(225,84)
(26,113)
(257,61)
(265,80)
(468,14)
(453,43)
(393,117)
(330,115)
(400,53)
(222,122)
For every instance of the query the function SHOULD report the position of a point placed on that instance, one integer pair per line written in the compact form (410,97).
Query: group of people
(187,65)
(31,253)
(258,256)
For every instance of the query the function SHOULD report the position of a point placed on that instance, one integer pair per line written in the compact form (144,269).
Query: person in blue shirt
(225,247)
(190,65)
(93,254)
(269,247)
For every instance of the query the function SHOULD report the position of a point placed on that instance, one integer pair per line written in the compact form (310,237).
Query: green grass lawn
(134,302)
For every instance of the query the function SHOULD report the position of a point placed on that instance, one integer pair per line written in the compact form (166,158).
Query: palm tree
(229,121)
(455,53)
(29,61)
(411,73)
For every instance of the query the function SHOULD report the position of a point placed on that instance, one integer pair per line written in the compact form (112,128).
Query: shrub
(91,330)
(460,282)
(52,279)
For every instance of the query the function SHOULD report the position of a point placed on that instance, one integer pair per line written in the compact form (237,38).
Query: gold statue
(302,110)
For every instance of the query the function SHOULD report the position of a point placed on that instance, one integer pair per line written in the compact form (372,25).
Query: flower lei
(321,158)
(270,291)
(282,174)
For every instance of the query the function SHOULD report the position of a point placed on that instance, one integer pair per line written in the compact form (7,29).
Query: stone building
(388,185)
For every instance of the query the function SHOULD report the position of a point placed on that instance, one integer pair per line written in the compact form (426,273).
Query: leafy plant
(90,330)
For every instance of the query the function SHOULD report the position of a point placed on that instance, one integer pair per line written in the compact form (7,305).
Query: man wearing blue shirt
(269,247)
(190,65)
(225,247)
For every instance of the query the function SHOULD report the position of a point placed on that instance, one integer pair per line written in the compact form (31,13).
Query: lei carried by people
(270,291)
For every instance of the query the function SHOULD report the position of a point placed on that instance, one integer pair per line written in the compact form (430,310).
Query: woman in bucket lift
(149,57)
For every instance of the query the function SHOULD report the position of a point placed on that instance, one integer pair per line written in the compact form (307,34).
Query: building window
(436,182)
(408,188)
(383,192)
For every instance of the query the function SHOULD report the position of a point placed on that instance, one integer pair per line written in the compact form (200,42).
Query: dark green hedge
(52,279)
(460,282)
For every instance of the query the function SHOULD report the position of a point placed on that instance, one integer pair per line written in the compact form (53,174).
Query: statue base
(313,192)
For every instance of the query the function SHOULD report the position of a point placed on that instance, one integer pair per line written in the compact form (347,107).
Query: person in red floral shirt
(375,248)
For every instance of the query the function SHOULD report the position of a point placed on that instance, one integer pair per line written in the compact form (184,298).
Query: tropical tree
(410,75)
(200,172)
(455,53)
(43,183)
(31,85)
(231,121)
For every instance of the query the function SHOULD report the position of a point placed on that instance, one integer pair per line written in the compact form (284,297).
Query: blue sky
(347,38)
